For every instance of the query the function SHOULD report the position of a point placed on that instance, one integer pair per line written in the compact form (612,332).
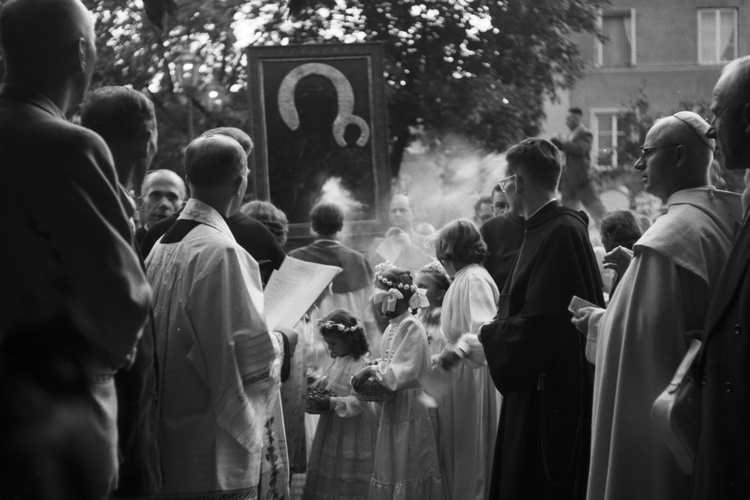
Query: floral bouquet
(316,399)
(372,390)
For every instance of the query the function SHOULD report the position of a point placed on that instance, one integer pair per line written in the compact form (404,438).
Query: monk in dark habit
(536,357)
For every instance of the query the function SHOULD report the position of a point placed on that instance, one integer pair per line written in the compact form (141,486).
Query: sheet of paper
(292,289)
(577,303)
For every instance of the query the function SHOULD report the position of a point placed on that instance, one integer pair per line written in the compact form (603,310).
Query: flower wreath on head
(332,325)
(393,295)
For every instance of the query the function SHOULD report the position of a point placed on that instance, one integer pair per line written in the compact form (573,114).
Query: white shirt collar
(205,214)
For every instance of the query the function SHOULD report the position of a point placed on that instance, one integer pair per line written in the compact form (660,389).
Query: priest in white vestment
(218,365)
(640,339)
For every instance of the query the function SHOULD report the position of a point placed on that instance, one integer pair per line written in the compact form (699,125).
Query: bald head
(730,105)
(36,31)
(164,175)
(216,168)
(49,47)
(236,134)
(162,194)
(676,155)
(736,75)
(689,130)
(214,160)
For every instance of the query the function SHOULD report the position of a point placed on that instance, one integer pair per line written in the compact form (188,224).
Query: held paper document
(577,303)
(292,289)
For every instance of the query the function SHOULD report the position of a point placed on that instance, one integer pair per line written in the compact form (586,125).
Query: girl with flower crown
(468,406)
(406,455)
(341,460)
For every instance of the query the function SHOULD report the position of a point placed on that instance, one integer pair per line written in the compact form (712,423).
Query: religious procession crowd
(504,357)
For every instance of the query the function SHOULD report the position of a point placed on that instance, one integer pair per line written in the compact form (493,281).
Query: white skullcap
(698,124)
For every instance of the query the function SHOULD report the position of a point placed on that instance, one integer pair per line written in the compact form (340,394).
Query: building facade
(670,51)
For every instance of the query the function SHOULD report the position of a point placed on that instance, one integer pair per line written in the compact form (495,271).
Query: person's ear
(680,155)
(189,189)
(83,52)
(440,295)
(238,183)
(519,184)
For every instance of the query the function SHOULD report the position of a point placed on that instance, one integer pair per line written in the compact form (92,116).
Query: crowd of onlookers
(500,357)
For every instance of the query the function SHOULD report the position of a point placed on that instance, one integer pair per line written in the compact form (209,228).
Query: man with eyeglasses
(536,357)
(503,234)
(638,342)
(576,185)
(722,461)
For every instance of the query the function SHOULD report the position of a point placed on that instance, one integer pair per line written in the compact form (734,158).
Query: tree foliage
(480,68)
(132,51)
(477,68)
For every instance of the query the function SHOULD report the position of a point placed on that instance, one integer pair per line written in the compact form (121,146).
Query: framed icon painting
(318,115)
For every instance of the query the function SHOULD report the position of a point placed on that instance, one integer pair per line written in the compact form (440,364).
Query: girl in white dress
(469,409)
(343,450)
(406,455)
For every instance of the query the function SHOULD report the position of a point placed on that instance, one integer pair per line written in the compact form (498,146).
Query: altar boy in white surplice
(218,365)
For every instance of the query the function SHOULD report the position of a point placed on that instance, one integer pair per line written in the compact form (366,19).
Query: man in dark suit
(249,233)
(722,461)
(73,294)
(125,119)
(576,186)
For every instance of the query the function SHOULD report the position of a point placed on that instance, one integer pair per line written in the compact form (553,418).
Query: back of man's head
(214,161)
(327,218)
(619,228)
(730,104)
(43,36)
(238,135)
(539,161)
(126,121)
(270,216)
(737,73)
(117,113)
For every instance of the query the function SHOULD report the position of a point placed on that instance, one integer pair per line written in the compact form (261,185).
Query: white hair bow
(419,299)
(388,299)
